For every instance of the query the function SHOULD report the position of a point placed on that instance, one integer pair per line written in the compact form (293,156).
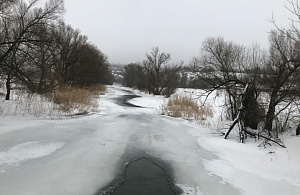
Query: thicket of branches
(39,51)
(155,74)
(248,75)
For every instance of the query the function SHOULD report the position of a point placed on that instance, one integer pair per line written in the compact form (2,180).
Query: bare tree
(92,68)
(281,75)
(226,59)
(134,76)
(25,17)
(38,50)
(236,70)
(9,66)
(18,29)
(38,72)
(70,46)
(243,74)
(158,74)
(195,64)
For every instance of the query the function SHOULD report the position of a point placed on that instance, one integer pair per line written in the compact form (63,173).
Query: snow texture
(82,155)
(23,152)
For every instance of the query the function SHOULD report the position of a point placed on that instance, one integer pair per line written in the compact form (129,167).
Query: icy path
(82,155)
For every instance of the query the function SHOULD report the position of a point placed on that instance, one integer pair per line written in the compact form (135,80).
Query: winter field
(82,154)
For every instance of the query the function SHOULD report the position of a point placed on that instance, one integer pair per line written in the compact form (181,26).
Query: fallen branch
(267,138)
(236,120)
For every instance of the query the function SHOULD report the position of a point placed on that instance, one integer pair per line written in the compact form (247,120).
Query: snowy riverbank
(81,155)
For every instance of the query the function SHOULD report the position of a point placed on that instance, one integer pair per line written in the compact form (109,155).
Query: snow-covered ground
(81,155)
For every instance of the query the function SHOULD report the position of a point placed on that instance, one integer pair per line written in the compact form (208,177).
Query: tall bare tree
(159,75)
(282,73)
(18,29)
(226,59)
(235,70)
(134,76)
(67,51)
(24,19)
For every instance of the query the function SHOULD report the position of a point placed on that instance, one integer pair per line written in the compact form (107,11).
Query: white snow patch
(255,170)
(149,101)
(15,155)
(189,189)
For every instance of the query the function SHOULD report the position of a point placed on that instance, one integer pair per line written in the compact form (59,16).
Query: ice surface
(82,155)
(23,152)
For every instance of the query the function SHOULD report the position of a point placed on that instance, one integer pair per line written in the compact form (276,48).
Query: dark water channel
(142,176)
(123,100)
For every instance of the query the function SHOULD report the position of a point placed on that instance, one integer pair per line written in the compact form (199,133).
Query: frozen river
(91,154)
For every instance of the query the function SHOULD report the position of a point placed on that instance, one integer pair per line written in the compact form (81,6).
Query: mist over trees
(40,52)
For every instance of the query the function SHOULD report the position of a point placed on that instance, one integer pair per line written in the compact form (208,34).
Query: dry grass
(145,91)
(186,107)
(80,99)
(62,102)
(98,89)
(135,88)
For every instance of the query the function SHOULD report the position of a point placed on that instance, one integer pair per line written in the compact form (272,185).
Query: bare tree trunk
(8,88)
(298,130)
(236,120)
(270,113)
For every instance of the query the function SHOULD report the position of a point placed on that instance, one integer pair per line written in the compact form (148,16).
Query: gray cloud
(126,29)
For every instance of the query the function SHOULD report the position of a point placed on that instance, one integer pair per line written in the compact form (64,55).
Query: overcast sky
(126,29)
